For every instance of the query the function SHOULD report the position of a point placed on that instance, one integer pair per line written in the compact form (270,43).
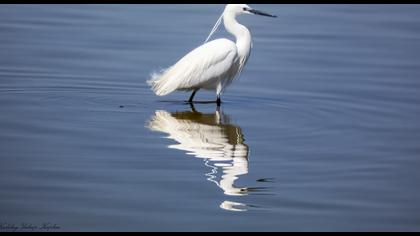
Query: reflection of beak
(256,12)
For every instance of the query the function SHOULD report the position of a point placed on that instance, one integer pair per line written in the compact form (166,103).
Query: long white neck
(241,33)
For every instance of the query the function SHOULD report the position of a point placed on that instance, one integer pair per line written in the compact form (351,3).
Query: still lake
(320,133)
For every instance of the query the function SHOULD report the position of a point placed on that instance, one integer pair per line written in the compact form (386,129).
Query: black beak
(256,12)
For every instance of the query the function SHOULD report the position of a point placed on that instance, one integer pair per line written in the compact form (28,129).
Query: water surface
(320,133)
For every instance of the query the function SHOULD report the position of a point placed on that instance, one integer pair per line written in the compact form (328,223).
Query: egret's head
(238,9)
(233,10)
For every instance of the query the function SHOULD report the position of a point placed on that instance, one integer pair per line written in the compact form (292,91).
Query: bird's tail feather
(161,83)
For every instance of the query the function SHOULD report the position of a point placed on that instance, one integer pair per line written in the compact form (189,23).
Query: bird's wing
(201,66)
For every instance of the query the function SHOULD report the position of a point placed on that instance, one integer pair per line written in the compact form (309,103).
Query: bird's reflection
(211,137)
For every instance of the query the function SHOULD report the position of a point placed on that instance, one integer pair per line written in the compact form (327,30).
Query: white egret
(213,65)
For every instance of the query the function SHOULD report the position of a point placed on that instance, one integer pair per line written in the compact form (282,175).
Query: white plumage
(213,65)
(203,68)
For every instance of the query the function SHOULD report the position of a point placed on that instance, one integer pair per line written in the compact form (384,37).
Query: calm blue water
(320,133)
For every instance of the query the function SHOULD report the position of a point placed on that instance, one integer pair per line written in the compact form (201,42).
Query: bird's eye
(245,9)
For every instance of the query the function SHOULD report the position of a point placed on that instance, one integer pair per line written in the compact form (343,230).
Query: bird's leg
(192,96)
(219,91)
(192,107)
(218,101)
